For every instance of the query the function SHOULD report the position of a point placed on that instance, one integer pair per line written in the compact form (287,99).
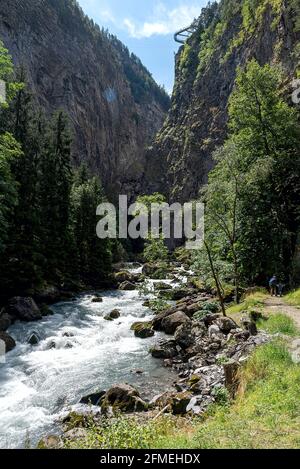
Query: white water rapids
(40,384)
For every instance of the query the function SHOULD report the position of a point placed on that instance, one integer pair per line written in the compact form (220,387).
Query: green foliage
(9,151)
(293,298)
(265,414)
(251,199)
(6,74)
(124,433)
(221,396)
(94,255)
(155,250)
(158,305)
(253,301)
(294,11)
(47,230)
(279,323)
(207,308)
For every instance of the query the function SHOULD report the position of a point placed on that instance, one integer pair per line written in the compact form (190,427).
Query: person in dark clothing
(273,285)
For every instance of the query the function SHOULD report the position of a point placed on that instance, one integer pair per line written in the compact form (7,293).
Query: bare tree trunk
(215,275)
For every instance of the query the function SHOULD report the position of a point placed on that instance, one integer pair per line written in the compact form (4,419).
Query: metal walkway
(184,34)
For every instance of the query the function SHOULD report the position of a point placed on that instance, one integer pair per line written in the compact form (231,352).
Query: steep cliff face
(229,34)
(114,104)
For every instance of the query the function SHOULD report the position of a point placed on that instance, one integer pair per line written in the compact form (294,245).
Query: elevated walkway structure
(184,34)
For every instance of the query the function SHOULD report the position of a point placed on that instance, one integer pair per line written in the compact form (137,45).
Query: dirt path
(278,305)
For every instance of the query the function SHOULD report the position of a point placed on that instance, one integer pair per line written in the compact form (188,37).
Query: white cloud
(164,21)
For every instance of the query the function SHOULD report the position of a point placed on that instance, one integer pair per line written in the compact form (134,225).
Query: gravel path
(278,305)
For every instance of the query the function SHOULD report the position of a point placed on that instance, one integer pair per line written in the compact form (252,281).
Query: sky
(147,28)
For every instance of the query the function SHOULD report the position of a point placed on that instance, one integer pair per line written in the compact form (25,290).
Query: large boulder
(164,349)
(157,321)
(180,402)
(149,269)
(123,276)
(249,325)
(124,398)
(143,330)
(93,399)
(23,309)
(172,322)
(5,321)
(8,341)
(127,286)
(184,335)
(226,324)
(180,293)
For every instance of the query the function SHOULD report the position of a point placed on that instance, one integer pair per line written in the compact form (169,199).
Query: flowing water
(79,353)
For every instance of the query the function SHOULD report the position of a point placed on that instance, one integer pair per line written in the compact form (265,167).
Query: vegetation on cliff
(252,209)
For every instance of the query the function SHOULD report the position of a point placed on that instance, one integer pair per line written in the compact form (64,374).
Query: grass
(293,298)
(252,301)
(279,323)
(266,414)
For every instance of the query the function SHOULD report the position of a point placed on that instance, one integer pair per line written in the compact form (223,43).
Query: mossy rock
(123,276)
(76,420)
(114,314)
(143,330)
(123,398)
(50,442)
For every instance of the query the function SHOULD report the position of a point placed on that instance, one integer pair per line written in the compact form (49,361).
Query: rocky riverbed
(156,344)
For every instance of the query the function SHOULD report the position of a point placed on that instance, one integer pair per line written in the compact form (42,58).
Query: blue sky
(147,28)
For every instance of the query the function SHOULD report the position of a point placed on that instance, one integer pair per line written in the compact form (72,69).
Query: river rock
(162,286)
(124,398)
(184,335)
(172,322)
(149,269)
(127,286)
(76,434)
(50,442)
(209,319)
(226,324)
(143,330)
(164,349)
(180,293)
(93,399)
(97,299)
(5,321)
(33,338)
(114,314)
(249,325)
(9,342)
(23,309)
(180,402)
(123,276)
(157,321)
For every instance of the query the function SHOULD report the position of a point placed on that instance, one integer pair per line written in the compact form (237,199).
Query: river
(40,384)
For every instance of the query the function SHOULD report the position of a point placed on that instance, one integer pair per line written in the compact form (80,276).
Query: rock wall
(115,107)
(228,35)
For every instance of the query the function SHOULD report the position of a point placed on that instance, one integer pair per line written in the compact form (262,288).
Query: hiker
(280,287)
(273,285)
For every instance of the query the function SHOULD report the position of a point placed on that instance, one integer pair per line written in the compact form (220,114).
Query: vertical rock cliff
(114,105)
(229,34)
